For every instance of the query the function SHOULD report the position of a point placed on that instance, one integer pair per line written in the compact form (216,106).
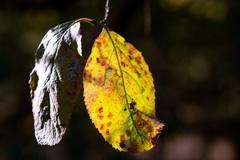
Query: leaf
(120,95)
(55,82)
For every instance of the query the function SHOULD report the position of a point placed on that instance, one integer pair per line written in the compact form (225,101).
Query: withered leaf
(55,81)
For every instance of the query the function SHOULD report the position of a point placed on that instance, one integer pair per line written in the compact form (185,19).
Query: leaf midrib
(124,86)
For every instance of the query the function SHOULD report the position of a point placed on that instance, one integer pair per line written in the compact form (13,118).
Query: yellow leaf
(119,94)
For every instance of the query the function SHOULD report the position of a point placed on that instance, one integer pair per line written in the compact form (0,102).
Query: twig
(107,8)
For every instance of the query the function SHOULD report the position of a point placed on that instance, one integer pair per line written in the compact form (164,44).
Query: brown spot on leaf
(100,81)
(132,105)
(100,116)
(152,89)
(112,81)
(143,123)
(123,64)
(138,74)
(128,132)
(101,126)
(132,49)
(98,44)
(145,72)
(140,123)
(103,63)
(109,124)
(107,132)
(97,59)
(89,60)
(110,115)
(148,98)
(138,59)
(129,56)
(122,97)
(94,79)
(100,109)
(87,76)
(102,39)
(116,74)
(120,51)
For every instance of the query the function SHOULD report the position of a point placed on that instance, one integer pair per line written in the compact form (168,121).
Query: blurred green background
(192,48)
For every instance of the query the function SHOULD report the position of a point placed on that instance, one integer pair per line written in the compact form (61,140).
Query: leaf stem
(87,20)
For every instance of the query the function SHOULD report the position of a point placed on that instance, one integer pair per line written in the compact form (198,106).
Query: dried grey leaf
(55,82)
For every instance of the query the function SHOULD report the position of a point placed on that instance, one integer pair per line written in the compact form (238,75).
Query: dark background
(191,46)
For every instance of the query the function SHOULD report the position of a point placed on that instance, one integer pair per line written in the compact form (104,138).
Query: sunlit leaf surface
(119,94)
(55,82)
